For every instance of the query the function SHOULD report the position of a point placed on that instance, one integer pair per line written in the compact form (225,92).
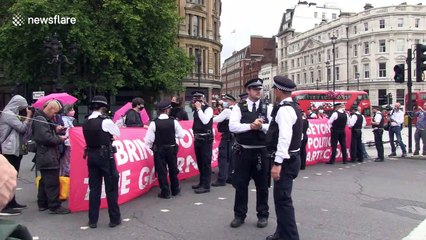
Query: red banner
(135,164)
(318,148)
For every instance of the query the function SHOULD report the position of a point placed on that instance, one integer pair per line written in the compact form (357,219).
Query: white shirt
(377,118)
(236,126)
(334,117)
(206,115)
(107,124)
(224,115)
(397,117)
(354,118)
(286,118)
(150,135)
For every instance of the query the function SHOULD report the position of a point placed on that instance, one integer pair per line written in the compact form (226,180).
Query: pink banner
(318,148)
(135,164)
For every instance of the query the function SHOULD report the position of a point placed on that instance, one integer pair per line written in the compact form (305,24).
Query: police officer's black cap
(197,94)
(376,107)
(243,95)
(254,83)
(165,104)
(100,100)
(284,83)
(339,105)
(229,97)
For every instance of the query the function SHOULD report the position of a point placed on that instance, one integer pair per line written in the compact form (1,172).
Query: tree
(121,43)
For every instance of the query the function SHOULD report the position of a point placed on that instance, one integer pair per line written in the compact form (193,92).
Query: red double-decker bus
(417,99)
(315,99)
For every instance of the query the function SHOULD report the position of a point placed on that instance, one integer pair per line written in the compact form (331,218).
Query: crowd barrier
(135,161)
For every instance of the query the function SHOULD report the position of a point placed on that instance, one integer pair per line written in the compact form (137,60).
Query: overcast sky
(242,18)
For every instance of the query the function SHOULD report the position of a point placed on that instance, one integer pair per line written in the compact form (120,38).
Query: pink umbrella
(65,98)
(122,111)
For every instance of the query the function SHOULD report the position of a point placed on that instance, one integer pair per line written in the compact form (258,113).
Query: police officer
(225,146)
(203,143)
(99,132)
(284,139)
(161,137)
(249,122)
(243,96)
(338,122)
(378,123)
(356,123)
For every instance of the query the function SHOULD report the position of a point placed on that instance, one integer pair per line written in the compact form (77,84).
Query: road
(355,201)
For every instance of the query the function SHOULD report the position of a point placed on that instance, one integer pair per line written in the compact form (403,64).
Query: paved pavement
(355,201)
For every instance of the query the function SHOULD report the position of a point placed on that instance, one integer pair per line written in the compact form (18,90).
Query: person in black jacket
(305,123)
(47,157)
(338,121)
(133,117)
(178,112)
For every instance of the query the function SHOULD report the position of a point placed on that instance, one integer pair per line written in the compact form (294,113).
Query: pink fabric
(122,111)
(65,98)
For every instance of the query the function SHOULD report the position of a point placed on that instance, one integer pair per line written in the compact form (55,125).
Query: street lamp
(333,41)
(198,56)
(53,48)
(327,64)
(357,79)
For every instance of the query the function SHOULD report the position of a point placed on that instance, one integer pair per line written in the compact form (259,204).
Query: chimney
(368,6)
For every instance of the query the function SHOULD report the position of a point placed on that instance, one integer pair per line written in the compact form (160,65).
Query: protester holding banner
(283,143)
(133,117)
(99,132)
(249,122)
(378,122)
(161,138)
(338,122)
(356,123)
(203,143)
(226,143)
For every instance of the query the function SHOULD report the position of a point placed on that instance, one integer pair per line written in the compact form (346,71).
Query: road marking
(305,177)
(418,233)
(221,198)
(319,174)
(253,190)
(324,210)
(353,165)
(198,203)
(165,210)
(126,220)
(82,228)
(340,168)
(18,189)
(347,167)
(329,171)
(36,238)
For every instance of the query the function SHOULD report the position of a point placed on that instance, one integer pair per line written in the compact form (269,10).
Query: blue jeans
(397,131)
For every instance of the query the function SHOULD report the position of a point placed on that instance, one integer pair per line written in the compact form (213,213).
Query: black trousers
(378,141)
(357,152)
(286,220)
(303,153)
(225,161)
(203,153)
(16,163)
(101,166)
(48,189)
(246,168)
(165,157)
(338,136)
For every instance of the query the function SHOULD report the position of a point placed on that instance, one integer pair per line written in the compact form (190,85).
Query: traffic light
(420,61)
(399,70)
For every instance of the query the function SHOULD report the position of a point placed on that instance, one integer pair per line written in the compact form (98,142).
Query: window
(383,100)
(312,59)
(416,41)
(400,46)
(312,77)
(319,57)
(417,22)
(319,75)
(382,70)
(382,45)
(305,60)
(366,48)
(298,62)
(328,54)
(355,30)
(328,75)
(366,70)
(195,26)
(305,77)
(298,78)
(400,93)
(337,73)
(356,71)
(292,64)
(337,52)
(366,26)
(400,22)
(315,14)
(323,15)
(333,15)
(355,50)
(382,23)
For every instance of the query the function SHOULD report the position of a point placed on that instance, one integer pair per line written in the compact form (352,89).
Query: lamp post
(333,41)
(53,48)
(198,56)
(357,79)
(327,64)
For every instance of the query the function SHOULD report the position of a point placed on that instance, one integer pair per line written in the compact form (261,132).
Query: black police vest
(358,123)
(94,135)
(198,126)
(382,121)
(340,122)
(223,127)
(273,132)
(252,137)
(164,132)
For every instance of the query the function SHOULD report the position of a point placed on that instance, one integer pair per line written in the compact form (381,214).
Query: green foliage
(121,43)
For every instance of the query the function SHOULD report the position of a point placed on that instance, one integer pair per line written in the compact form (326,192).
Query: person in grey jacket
(47,157)
(12,130)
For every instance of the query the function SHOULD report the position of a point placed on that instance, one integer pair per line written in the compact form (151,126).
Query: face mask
(321,111)
(174,104)
(225,104)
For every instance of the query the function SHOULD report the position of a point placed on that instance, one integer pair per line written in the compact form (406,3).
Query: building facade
(199,36)
(357,51)
(267,73)
(246,63)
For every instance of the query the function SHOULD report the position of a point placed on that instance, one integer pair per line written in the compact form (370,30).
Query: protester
(283,143)
(47,157)
(305,124)
(356,123)
(68,119)
(161,138)
(420,130)
(12,130)
(177,112)
(311,114)
(338,122)
(396,119)
(249,121)
(7,182)
(378,122)
(203,143)
(321,114)
(99,132)
(133,116)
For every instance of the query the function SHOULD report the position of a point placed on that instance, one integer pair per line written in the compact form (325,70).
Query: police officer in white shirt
(356,123)
(396,118)
(338,121)
(377,124)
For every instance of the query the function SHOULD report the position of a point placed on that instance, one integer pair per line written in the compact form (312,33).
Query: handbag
(64,186)
(386,126)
